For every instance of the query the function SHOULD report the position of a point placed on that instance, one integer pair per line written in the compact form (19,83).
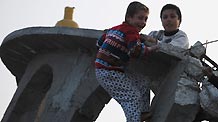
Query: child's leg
(143,85)
(121,89)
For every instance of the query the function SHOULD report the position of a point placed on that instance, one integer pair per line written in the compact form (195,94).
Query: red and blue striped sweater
(117,46)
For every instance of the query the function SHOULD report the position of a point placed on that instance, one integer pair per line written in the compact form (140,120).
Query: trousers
(131,91)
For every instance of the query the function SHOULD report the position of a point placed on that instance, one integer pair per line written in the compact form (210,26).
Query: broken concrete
(54,68)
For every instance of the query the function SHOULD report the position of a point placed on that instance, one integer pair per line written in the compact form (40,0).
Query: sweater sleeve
(136,47)
(100,41)
(214,80)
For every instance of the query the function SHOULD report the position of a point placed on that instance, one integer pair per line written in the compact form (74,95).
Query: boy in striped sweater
(116,47)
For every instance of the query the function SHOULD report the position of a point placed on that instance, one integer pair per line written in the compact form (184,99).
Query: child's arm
(136,46)
(100,41)
(144,37)
(153,48)
(141,50)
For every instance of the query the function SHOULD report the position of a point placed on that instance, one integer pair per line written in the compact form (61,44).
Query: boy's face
(138,20)
(170,20)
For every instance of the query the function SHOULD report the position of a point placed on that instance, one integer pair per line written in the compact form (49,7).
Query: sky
(199,21)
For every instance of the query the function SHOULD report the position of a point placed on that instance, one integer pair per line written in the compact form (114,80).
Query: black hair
(174,7)
(134,7)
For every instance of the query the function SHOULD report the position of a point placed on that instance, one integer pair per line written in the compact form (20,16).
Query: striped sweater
(119,43)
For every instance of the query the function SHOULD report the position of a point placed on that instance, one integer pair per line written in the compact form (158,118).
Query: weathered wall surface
(54,67)
(55,75)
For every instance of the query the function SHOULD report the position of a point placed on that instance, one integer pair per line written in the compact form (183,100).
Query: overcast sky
(199,21)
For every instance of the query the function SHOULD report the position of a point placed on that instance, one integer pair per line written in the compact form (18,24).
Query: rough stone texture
(54,68)
(197,50)
(209,98)
(18,48)
(173,102)
(55,74)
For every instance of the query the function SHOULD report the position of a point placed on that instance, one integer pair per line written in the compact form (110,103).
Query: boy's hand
(144,37)
(153,48)
(152,40)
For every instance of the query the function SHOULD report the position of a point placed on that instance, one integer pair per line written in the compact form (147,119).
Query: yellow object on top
(68,19)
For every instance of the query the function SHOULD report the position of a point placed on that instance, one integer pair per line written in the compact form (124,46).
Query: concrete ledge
(20,46)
